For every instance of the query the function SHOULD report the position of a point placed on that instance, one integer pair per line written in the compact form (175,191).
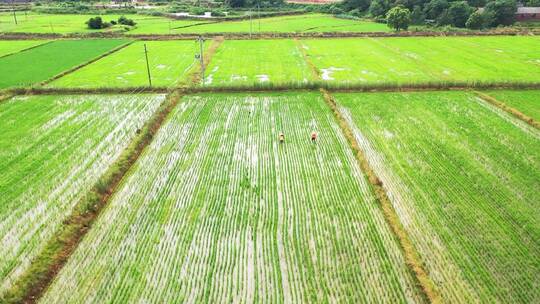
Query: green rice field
(44,62)
(281,24)
(527,102)
(8,47)
(216,213)
(463,177)
(71,23)
(243,62)
(426,59)
(170,62)
(53,149)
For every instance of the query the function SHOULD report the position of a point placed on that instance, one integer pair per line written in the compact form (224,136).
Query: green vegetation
(463,176)
(216,209)
(63,24)
(53,149)
(12,46)
(44,62)
(427,59)
(70,23)
(527,102)
(170,62)
(256,62)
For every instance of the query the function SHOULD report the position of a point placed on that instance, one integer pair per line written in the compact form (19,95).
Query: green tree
(417,15)
(503,12)
(435,8)
(459,13)
(379,8)
(350,5)
(476,21)
(398,18)
(534,3)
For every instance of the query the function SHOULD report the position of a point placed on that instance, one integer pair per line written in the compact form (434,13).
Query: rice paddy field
(8,47)
(213,213)
(45,61)
(527,102)
(426,59)
(240,62)
(283,24)
(463,177)
(52,151)
(170,62)
(71,23)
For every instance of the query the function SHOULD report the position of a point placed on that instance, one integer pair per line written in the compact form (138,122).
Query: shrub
(476,21)
(503,12)
(459,13)
(95,23)
(125,21)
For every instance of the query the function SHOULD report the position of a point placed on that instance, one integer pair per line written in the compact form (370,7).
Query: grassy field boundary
(270,35)
(194,77)
(80,66)
(412,258)
(26,49)
(514,112)
(36,279)
(310,86)
(315,72)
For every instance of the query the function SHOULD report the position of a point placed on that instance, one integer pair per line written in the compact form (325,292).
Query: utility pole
(147,65)
(200,56)
(14,13)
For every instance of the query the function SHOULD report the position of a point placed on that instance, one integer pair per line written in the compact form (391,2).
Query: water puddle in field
(238,78)
(446,72)
(327,73)
(262,78)
(129,73)
(161,66)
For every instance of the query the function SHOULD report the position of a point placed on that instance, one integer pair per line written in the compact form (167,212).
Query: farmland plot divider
(195,77)
(514,112)
(43,269)
(412,257)
(26,49)
(267,35)
(86,63)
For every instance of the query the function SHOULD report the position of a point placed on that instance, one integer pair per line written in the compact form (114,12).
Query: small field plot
(52,150)
(46,61)
(257,62)
(12,46)
(71,23)
(217,210)
(295,23)
(527,102)
(169,62)
(463,177)
(426,59)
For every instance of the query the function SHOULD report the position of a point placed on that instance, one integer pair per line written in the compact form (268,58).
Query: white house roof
(528,10)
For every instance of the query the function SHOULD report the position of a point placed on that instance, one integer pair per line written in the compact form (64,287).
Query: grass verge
(32,284)
(506,108)
(195,74)
(412,257)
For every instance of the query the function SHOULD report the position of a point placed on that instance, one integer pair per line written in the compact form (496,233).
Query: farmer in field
(313,136)
(281,137)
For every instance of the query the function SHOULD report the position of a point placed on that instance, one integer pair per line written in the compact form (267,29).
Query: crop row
(217,210)
(463,177)
(50,159)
